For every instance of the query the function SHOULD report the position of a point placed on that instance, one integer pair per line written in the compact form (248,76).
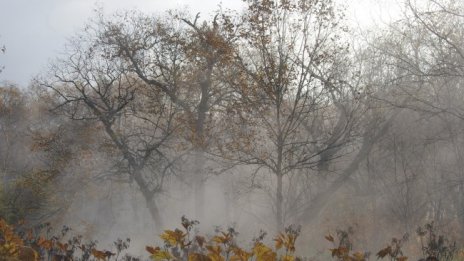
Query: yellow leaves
(174,238)
(264,253)
(157,254)
(215,253)
(161,255)
(27,253)
(285,240)
(224,239)
(288,258)
(12,246)
(9,250)
(358,256)
(198,257)
(240,254)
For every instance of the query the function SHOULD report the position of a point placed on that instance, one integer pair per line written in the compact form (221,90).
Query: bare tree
(93,86)
(298,110)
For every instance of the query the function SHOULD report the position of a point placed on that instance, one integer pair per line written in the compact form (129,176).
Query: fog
(295,119)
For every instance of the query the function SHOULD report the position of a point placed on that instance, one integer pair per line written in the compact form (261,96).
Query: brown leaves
(45,243)
(329,238)
(198,257)
(101,255)
(339,252)
(285,240)
(384,252)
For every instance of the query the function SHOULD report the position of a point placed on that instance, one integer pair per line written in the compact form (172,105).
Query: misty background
(119,118)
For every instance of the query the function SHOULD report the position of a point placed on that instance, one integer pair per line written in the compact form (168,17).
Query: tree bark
(149,200)
(279,203)
(199,184)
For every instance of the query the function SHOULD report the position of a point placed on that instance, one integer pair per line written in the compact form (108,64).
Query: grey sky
(35,31)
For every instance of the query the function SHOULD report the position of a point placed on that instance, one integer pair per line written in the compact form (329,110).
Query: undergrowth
(19,242)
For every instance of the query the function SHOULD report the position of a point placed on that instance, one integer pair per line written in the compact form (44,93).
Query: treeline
(282,102)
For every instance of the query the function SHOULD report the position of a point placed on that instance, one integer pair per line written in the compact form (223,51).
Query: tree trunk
(199,184)
(155,214)
(149,197)
(279,203)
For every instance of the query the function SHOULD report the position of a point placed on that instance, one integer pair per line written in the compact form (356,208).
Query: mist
(271,131)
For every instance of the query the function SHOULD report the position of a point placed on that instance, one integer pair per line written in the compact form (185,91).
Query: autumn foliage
(183,244)
(20,242)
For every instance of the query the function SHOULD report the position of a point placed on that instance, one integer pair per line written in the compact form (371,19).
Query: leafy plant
(394,249)
(343,246)
(180,244)
(434,246)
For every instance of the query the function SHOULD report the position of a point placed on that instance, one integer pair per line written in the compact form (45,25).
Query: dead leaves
(329,238)
(240,254)
(384,252)
(157,254)
(221,247)
(101,255)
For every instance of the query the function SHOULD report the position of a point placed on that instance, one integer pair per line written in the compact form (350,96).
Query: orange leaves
(12,246)
(101,255)
(285,240)
(45,243)
(151,250)
(8,234)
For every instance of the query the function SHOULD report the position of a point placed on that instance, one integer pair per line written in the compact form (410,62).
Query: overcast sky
(34,31)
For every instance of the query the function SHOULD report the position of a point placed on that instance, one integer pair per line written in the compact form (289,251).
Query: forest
(228,137)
